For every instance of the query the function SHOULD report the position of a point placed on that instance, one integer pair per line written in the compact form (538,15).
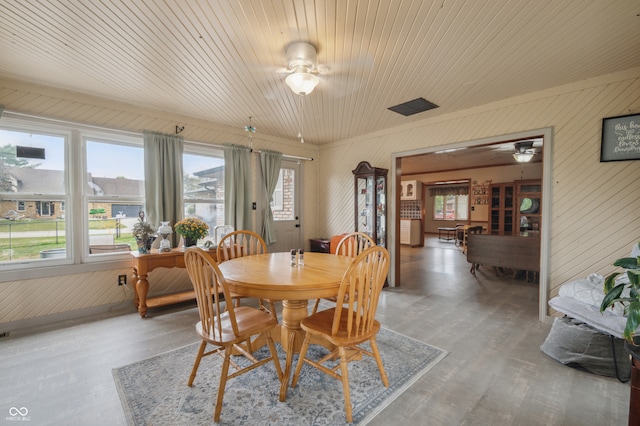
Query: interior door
(286,208)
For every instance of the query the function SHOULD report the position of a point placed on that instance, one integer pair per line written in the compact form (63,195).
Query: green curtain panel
(270,163)
(163,179)
(237,186)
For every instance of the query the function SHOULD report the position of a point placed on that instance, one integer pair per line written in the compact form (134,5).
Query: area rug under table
(155,392)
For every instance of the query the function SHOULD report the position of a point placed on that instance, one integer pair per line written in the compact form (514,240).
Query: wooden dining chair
(350,245)
(350,325)
(225,327)
(244,243)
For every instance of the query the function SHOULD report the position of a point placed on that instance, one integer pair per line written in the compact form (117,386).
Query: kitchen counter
(411,232)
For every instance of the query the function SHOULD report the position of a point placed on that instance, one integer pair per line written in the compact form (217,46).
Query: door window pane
(283,197)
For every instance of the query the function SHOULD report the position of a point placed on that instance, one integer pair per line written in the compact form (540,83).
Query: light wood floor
(494,374)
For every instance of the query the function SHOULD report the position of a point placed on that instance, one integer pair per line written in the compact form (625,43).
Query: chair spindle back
(209,285)
(360,289)
(354,243)
(240,243)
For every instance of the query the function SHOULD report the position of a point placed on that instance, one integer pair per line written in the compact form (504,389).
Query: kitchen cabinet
(370,192)
(501,211)
(410,190)
(410,232)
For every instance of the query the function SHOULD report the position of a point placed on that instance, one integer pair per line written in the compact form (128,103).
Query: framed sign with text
(620,138)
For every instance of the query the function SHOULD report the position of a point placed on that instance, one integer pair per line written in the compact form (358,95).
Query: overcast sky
(104,159)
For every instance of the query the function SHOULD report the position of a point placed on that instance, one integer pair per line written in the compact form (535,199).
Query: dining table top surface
(271,275)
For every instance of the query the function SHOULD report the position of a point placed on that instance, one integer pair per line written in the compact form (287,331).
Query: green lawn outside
(24,239)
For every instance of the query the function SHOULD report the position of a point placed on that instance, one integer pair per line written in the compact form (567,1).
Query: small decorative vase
(165,232)
(190,242)
(144,247)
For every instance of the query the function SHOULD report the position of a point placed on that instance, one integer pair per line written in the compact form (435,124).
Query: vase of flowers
(192,229)
(144,234)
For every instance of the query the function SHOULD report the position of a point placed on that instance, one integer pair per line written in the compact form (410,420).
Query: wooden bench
(503,251)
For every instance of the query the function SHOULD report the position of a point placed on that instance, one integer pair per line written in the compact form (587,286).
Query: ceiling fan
(302,59)
(523,151)
(304,74)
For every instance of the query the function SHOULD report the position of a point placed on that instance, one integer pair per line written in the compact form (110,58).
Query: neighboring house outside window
(38,185)
(204,186)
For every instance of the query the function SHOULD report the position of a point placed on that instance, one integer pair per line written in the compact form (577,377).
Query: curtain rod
(9,114)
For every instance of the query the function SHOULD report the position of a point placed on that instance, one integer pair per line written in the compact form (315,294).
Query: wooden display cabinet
(370,192)
(501,209)
(528,207)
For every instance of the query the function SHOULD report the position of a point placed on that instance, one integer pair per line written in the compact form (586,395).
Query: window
(451,207)
(114,189)
(204,186)
(33,168)
(41,161)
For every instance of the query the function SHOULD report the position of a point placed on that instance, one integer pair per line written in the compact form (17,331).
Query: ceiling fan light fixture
(524,151)
(301,81)
(523,157)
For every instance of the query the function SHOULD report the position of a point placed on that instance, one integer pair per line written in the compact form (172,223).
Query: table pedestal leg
(291,337)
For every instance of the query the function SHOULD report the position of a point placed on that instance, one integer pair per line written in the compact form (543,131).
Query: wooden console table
(143,264)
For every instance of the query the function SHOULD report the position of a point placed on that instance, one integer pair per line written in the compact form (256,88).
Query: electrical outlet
(122,280)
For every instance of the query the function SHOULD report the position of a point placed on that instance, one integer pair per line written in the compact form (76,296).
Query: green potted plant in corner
(614,292)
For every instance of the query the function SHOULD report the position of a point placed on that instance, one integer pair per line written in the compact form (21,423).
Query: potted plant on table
(192,229)
(144,234)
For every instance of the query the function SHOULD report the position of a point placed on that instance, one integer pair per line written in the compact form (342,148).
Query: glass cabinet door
(529,197)
(381,211)
(370,201)
(363,205)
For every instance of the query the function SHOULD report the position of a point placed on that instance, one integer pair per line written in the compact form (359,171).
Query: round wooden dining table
(271,276)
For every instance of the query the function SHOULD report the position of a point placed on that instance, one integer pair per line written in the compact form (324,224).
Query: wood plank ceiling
(222,61)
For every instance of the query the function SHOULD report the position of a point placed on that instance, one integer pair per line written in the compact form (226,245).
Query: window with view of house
(33,187)
(39,212)
(204,185)
(114,190)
